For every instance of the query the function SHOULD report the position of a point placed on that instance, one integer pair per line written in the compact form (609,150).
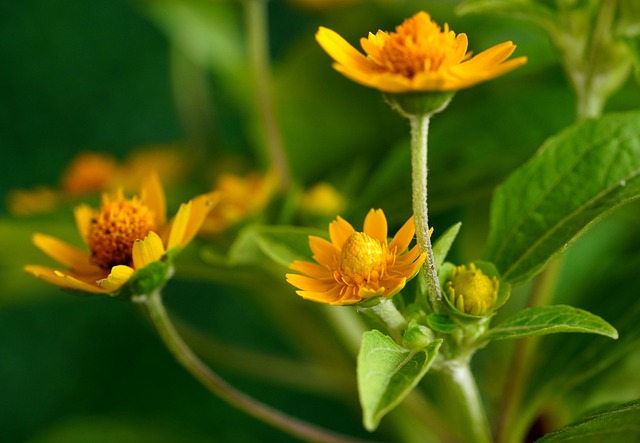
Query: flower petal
(147,251)
(339,231)
(311,269)
(119,275)
(83,215)
(152,195)
(64,253)
(342,52)
(331,297)
(63,280)
(403,237)
(179,225)
(324,252)
(200,208)
(375,225)
(310,284)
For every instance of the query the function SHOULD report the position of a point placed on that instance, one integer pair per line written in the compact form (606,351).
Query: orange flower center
(362,259)
(419,45)
(114,230)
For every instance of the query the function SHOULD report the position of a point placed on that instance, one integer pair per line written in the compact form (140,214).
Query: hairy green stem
(419,172)
(183,353)
(462,391)
(258,47)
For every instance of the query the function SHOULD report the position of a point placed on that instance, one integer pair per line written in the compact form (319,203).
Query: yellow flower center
(419,45)
(114,230)
(471,290)
(361,260)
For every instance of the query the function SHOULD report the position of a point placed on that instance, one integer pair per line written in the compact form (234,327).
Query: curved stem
(419,171)
(218,386)
(258,47)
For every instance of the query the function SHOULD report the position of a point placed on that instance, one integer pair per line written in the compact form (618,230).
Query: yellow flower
(357,265)
(418,56)
(322,199)
(240,198)
(471,291)
(89,172)
(123,237)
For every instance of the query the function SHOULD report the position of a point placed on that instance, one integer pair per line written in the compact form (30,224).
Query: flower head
(124,236)
(418,56)
(240,198)
(471,291)
(357,265)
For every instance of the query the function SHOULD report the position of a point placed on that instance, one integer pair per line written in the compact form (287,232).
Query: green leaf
(442,246)
(574,179)
(442,323)
(543,320)
(387,372)
(620,424)
(282,244)
(520,9)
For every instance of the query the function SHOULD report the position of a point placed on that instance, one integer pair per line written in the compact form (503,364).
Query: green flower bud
(471,291)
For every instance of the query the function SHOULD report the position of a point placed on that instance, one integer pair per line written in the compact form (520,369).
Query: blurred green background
(114,75)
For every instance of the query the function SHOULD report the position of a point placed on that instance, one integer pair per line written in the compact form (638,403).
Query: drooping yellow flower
(123,237)
(418,56)
(240,198)
(354,265)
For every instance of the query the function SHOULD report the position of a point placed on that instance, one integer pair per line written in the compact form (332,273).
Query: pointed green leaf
(386,374)
(576,178)
(620,424)
(543,320)
(442,246)
(529,10)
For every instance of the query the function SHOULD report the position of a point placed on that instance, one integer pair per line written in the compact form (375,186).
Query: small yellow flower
(357,265)
(471,291)
(124,236)
(418,56)
(89,172)
(240,198)
(322,199)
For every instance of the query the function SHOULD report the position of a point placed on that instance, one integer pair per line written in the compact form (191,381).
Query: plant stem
(511,421)
(218,386)
(419,172)
(258,47)
(461,388)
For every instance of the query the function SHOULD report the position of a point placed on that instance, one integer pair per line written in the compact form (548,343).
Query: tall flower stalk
(258,47)
(419,67)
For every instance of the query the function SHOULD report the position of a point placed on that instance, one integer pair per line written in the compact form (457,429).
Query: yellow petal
(310,284)
(403,237)
(393,285)
(63,280)
(119,275)
(375,225)
(64,253)
(200,208)
(153,197)
(147,251)
(331,297)
(341,51)
(311,269)
(179,225)
(83,215)
(324,252)
(339,231)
